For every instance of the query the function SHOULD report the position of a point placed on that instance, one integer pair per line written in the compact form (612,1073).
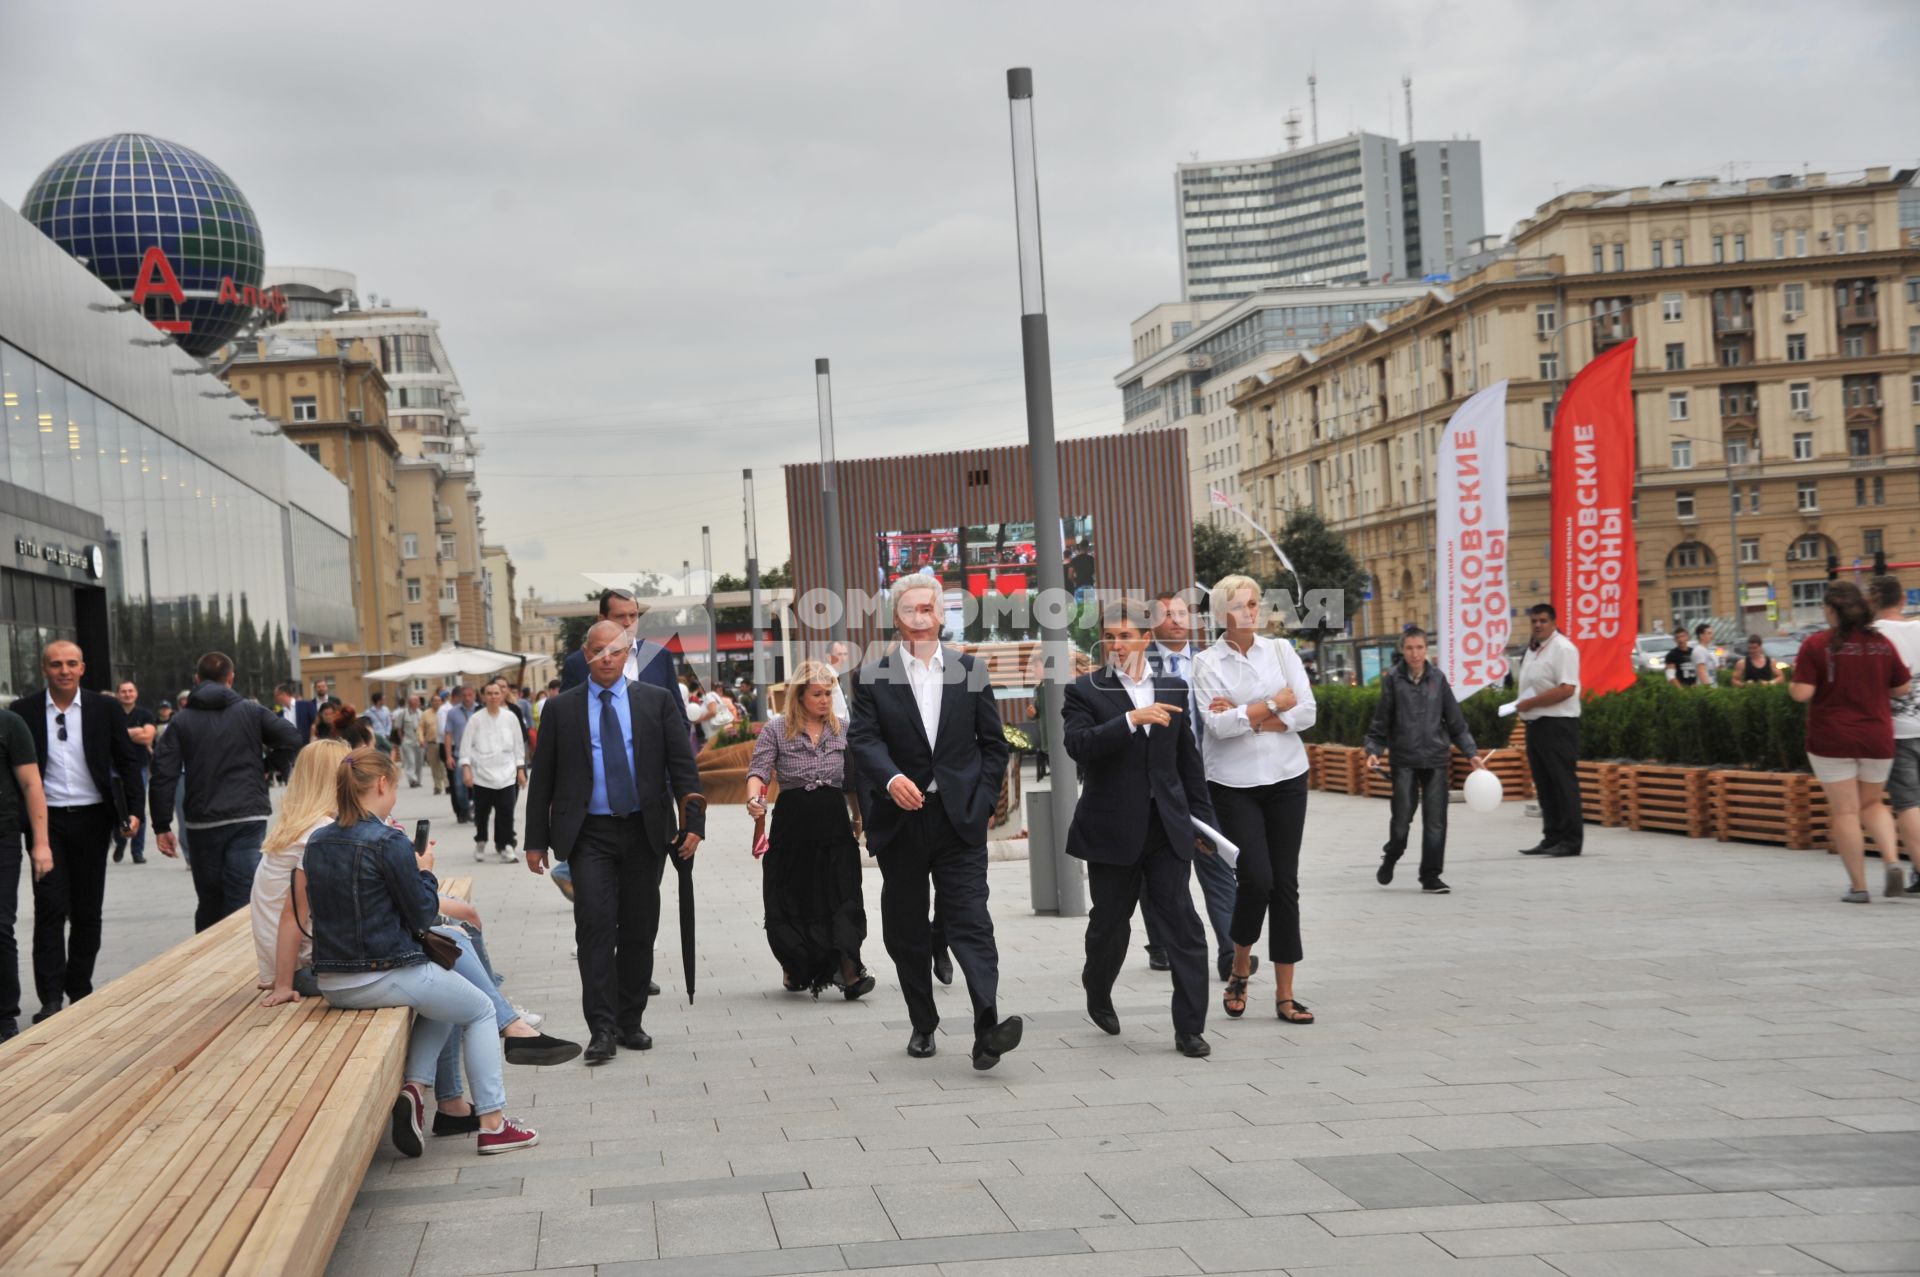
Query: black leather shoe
(600,1048)
(1157,959)
(1539,849)
(1384,874)
(455,1123)
(9,1029)
(1226,966)
(653,990)
(539,1049)
(943,967)
(1192,1045)
(119,851)
(46,1013)
(1562,851)
(636,1039)
(996,1042)
(920,1045)
(1105,1018)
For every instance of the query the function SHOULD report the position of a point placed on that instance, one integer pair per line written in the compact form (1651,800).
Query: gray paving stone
(495,1243)
(1853,1201)
(1277,1188)
(1388,1181)
(763,1263)
(1165,1195)
(663,1190)
(1496,1175)
(941,1210)
(1700,1261)
(945,1250)
(1867,1257)
(597,1235)
(438,1194)
(1128,1263)
(1053,1201)
(376,1252)
(1561,1239)
(713,1225)
(829,1217)
(1503,1266)
(1795,1230)
(1621,1210)
(1434,1219)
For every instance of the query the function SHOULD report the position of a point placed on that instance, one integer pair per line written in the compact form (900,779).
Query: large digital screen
(990,559)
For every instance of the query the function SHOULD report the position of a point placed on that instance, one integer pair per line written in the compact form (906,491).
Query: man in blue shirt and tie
(612,776)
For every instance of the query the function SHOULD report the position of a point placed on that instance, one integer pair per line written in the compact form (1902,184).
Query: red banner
(1596,577)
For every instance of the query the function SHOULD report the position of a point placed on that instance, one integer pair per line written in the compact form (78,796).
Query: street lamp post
(713,625)
(759,617)
(1733,528)
(1044,474)
(830,502)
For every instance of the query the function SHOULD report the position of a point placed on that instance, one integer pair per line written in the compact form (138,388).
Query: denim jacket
(370,898)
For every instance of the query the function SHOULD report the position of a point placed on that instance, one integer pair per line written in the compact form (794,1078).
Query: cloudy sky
(640,223)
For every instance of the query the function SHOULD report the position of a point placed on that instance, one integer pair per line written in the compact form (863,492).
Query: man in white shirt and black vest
(1549,705)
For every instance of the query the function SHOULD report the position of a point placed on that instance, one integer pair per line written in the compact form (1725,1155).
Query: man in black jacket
(220,739)
(609,794)
(1142,786)
(926,741)
(1414,722)
(92,782)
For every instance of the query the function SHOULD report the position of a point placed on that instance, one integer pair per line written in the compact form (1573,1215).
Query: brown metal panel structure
(1133,485)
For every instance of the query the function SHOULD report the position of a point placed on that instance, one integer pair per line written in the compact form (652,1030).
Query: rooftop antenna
(1406,83)
(1293,129)
(1313,102)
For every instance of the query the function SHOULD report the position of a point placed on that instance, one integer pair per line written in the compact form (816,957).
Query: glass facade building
(143,512)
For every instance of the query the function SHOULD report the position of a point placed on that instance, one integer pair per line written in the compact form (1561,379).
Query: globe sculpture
(161,226)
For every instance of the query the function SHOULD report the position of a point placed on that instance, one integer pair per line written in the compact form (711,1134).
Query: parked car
(1650,651)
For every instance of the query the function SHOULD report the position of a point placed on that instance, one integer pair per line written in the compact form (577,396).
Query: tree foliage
(1321,561)
(1217,554)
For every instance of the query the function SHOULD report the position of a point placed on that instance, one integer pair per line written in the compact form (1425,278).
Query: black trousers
(499,802)
(1266,822)
(926,850)
(1553,755)
(68,901)
(12,853)
(1116,889)
(1424,788)
(616,916)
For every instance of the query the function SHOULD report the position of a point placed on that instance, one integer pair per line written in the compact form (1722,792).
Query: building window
(446,545)
(1879,490)
(1619,256)
(1550,366)
(1913,342)
(1739,248)
(1659,253)
(1779,243)
(1683,503)
(1730,355)
(1809,600)
(1807,547)
(1679,252)
(1839,239)
(1546,407)
(1685,556)
(1691,607)
(1913,389)
(1599,259)
(1753,499)
(1682,454)
(413,589)
(1676,356)
(1859,443)
(1677,405)
(311,449)
(1860,492)
(1870,542)
(1860,238)
(1795,298)
(1719,249)
(1670,306)
(1809,495)
(409,545)
(1803,445)
(1800,399)
(1749,549)
(416,634)
(1545,319)
(1736,456)
(1800,242)
(453,631)
(1796,348)
(1854,345)
(306,408)
(450,591)
(1913,291)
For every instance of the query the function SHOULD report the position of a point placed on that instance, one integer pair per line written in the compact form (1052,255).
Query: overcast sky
(640,224)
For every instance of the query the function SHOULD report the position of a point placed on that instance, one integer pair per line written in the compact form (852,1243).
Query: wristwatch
(1273,707)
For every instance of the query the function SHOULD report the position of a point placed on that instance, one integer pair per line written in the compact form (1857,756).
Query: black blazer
(304,713)
(561,784)
(888,739)
(1126,774)
(656,667)
(103,735)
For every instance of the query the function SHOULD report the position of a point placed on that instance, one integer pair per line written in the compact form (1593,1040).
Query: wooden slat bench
(170,1124)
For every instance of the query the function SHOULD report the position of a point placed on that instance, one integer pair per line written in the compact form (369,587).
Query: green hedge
(1758,727)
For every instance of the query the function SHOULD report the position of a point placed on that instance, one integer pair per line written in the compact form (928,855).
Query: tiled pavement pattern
(1666,1057)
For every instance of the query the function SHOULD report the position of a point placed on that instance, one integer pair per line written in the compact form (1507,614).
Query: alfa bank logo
(156,279)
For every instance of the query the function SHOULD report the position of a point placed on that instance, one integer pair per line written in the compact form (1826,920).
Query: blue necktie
(622,798)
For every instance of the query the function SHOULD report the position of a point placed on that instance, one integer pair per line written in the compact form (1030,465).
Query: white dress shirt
(68,782)
(1177,661)
(1138,690)
(1546,667)
(440,717)
(493,746)
(1236,755)
(925,679)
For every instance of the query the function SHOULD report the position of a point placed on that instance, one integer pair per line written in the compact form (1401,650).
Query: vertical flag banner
(1472,601)
(1596,576)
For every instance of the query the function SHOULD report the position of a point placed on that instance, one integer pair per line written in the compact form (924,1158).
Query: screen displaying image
(982,559)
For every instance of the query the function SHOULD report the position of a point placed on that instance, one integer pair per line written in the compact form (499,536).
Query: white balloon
(1484,791)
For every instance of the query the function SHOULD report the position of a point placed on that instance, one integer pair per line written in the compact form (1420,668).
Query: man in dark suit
(1142,786)
(646,662)
(91,775)
(307,713)
(612,777)
(926,740)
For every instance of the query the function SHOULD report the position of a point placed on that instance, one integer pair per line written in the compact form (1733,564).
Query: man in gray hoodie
(221,739)
(1415,722)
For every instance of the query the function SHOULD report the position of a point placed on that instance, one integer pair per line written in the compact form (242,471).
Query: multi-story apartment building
(1776,386)
(496,588)
(1188,357)
(331,400)
(440,525)
(1358,209)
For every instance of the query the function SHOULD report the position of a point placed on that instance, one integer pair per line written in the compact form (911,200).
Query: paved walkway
(1667,1057)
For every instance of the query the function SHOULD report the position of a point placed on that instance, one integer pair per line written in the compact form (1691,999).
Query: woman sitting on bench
(373,906)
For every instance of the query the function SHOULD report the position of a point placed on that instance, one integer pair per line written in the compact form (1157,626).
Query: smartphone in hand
(420,831)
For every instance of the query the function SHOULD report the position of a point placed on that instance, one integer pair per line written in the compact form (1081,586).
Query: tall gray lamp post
(830,501)
(761,674)
(1043,460)
(713,624)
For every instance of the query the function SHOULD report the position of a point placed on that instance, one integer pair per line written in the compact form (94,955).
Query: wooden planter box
(1671,799)
(1343,769)
(1770,807)
(1315,768)
(1820,824)
(1378,784)
(1602,796)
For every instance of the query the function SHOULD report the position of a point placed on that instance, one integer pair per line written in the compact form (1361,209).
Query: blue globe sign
(164,228)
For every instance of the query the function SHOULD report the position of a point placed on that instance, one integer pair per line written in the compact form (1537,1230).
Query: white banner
(1472,599)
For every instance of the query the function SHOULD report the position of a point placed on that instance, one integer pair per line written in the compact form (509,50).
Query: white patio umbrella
(452,659)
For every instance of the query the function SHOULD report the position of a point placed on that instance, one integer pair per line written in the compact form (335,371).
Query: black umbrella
(694,805)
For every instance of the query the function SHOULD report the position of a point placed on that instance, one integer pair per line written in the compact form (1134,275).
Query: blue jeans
(224,861)
(445,1000)
(446,1070)
(1218,883)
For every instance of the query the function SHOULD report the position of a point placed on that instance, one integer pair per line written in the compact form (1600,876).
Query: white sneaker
(479,852)
(532,1019)
(508,856)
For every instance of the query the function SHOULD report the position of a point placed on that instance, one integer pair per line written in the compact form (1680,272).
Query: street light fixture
(830,503)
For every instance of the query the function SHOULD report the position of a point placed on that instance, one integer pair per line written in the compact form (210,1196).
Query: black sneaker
(1540,849)
(119,850)
(1384,874)
(1563,851)
(456,1123)
(1157,959)
(1435,888)
(9,1029)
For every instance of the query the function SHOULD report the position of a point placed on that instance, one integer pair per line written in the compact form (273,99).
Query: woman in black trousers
(1255,700)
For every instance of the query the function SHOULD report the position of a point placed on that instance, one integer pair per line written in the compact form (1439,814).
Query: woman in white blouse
(1254,698)
(493,763)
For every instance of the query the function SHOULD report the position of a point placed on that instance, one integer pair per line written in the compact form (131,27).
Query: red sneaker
(510,1136)
(409,1115)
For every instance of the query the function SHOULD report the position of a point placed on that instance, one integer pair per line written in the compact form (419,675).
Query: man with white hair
(926,738)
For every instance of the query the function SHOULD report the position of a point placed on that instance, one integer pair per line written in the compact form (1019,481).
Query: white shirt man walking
(1549,705)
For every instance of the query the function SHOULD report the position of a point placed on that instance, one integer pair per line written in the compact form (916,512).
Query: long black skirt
(810,880)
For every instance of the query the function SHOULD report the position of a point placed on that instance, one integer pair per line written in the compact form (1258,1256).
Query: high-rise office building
(1361,208)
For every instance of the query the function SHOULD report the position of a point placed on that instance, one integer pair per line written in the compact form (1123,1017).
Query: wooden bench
(171,1124)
